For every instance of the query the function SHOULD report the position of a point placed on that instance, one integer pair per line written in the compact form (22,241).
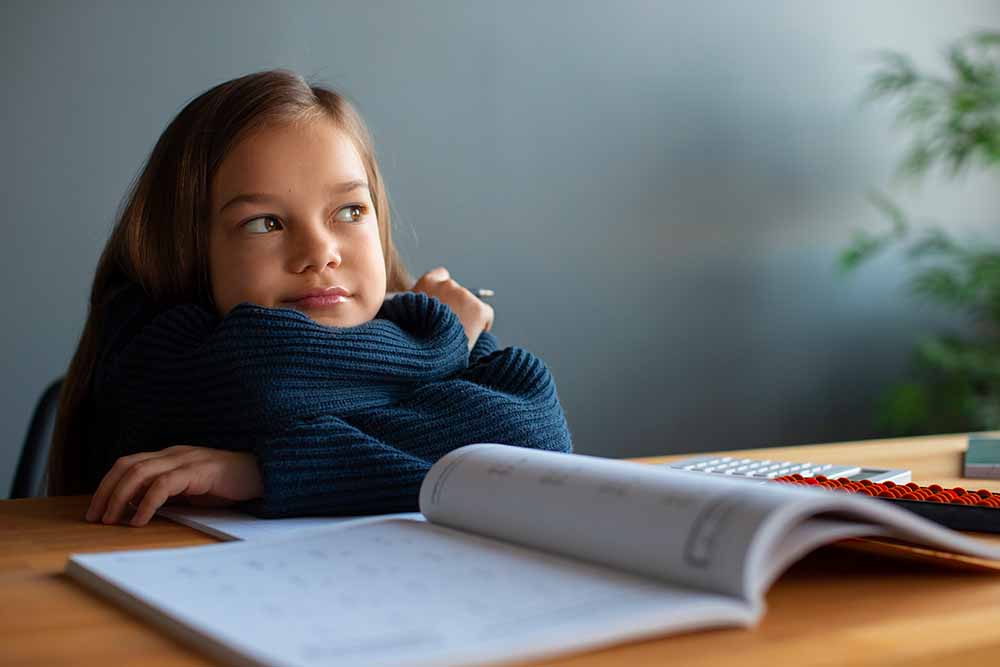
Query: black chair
(30,480)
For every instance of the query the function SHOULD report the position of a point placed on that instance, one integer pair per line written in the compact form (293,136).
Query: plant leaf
(943,285)
(935,243)
(889,209)
(863,246)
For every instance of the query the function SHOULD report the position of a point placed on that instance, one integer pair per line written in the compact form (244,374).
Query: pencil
(481,292)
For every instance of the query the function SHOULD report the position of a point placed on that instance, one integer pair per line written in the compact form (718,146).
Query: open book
(524,553)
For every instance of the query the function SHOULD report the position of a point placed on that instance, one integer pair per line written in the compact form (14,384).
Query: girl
(239,349)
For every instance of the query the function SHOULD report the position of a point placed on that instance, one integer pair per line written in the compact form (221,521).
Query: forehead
(288,158)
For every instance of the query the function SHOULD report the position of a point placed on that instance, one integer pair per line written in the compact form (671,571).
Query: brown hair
(160,240)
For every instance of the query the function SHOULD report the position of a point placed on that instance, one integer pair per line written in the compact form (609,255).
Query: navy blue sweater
(343,421)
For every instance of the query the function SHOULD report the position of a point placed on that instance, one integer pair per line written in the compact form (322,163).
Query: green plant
(955,122)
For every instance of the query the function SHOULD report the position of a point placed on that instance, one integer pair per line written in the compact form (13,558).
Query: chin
(348,314)
(328,320)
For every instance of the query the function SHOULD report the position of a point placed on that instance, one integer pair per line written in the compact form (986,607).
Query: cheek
(376,263)
(241,274)
(371,273)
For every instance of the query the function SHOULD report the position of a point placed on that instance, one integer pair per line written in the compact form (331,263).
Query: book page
(693,530)
(808,517)
(730,536)
(393,592)
(226,524)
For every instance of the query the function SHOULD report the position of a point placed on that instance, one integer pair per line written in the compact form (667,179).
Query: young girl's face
(292,217)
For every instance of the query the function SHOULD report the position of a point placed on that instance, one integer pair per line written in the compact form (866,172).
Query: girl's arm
(344,422)
(326,466)
(375,461)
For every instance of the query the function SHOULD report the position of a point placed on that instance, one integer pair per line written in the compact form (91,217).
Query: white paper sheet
(392,592)
(230,525)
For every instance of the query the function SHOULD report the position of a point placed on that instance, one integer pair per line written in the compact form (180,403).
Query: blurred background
(658,192)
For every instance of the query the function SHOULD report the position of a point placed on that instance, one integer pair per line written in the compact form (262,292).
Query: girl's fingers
(139,475)
(172,483)
(440,274)
(489,317)
(99,503)
(437,275)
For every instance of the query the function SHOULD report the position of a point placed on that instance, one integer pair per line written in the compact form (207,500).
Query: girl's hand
(475,315)
(206,477)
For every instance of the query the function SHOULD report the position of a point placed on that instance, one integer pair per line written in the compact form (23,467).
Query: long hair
(160,238)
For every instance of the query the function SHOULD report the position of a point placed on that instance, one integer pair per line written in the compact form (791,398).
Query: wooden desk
(836,607)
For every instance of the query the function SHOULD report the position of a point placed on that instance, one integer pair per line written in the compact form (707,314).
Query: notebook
(982,457)
(523,554)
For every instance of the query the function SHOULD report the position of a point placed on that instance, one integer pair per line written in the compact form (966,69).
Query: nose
(315,247)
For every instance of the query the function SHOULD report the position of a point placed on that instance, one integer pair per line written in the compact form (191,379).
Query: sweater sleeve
(325,466)
(521,404)
(485,344)
(376,461)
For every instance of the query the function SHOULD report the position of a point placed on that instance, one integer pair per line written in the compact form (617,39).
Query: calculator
(763,470)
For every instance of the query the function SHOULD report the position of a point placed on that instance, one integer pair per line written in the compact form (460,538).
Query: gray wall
(656,190)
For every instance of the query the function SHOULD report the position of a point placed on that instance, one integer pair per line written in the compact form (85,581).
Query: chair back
(30,480)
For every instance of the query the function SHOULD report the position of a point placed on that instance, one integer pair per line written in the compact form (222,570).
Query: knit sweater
(342,420)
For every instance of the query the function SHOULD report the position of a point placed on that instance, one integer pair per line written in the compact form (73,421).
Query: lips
(321,297)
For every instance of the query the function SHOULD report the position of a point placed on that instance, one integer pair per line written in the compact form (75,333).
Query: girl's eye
(355,212)
(262,225)
(267,223)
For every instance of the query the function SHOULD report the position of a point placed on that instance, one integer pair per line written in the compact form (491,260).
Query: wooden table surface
(836,607)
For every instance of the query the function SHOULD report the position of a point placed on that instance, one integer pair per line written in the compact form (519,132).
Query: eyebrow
(255,197)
